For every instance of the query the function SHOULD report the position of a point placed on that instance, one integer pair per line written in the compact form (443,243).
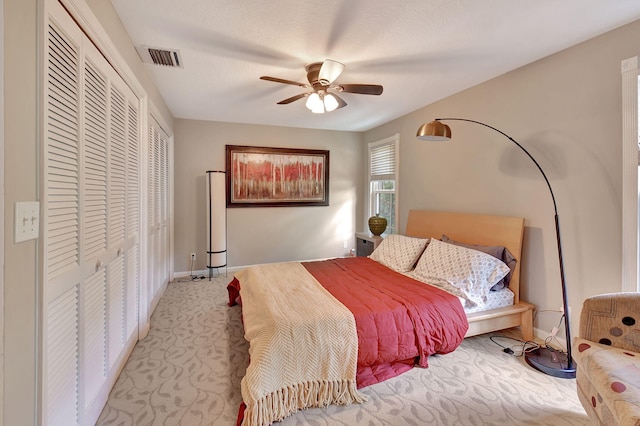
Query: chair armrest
(612,319)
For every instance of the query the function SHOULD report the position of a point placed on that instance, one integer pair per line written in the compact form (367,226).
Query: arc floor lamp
(548,360)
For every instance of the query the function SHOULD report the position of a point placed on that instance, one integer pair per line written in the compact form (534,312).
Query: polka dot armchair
(607,353)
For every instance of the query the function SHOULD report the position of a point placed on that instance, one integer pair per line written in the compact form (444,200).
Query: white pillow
(399,252)
(462,271)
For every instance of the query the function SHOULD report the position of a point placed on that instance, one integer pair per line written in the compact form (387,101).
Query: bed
(485,230)
(319,331)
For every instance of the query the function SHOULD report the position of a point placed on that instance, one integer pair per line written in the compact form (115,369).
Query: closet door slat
(62,153)
(117,166)
(95,345)
(95,162)
(63,358)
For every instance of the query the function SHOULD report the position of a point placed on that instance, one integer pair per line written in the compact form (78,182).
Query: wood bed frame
(489,231)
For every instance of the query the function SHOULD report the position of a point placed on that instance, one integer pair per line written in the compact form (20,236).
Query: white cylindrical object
(216,219)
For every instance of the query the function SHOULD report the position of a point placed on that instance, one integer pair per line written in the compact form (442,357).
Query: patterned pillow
(399,252)
(499,252)
(465,272)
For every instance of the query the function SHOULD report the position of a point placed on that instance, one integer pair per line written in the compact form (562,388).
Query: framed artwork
(276,177)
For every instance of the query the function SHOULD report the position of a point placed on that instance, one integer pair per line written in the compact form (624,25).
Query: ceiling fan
(323,96)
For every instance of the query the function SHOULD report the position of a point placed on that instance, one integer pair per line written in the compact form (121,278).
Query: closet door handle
(99,265)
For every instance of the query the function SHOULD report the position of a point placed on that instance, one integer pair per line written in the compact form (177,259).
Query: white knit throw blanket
(303,345)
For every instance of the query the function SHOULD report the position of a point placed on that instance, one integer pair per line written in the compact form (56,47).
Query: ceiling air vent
(160,56)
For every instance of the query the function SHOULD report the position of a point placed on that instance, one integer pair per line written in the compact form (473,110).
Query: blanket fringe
(287,401)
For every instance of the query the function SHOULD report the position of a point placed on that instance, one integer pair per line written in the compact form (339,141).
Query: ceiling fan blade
(282,80)
(363,89)
(329,71)
(341,102)
(293,99)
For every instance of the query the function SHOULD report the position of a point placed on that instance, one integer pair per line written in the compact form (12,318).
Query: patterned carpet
(188,371)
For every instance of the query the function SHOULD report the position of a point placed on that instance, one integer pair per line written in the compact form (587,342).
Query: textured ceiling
(419,50)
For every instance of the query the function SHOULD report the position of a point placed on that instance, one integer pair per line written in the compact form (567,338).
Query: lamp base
(551,362)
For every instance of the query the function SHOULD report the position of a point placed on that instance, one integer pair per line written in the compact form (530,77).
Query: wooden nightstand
(366,243)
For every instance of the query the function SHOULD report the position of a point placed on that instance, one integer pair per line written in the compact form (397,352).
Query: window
(383,181)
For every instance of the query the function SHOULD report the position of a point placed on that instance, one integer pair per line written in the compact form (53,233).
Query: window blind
(382,159)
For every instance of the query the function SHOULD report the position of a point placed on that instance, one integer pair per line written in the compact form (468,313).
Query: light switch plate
(27,222)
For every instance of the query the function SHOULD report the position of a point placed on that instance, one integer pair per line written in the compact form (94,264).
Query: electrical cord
(191,277)
(553,336)
(522,346)
(518,349)
(537,311)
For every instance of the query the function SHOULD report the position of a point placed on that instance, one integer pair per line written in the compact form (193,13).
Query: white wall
(566,111)
(265,234)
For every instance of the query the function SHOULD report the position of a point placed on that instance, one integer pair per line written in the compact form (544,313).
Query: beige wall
(21,32)
(20,168)
(265,234)
(566,111)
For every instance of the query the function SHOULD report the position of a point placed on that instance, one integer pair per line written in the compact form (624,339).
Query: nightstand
(366,243)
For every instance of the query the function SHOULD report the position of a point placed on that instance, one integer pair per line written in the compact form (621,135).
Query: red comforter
(400,321)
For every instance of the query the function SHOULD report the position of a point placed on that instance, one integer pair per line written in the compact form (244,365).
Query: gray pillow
(499,252)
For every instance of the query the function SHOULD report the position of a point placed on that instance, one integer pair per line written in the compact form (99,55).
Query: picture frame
(276,177)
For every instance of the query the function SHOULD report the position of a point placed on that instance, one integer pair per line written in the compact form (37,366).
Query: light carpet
(187,371)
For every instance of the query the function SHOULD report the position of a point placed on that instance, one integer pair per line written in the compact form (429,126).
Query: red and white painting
(261,176)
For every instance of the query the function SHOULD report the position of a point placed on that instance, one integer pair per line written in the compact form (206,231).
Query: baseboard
(205,273)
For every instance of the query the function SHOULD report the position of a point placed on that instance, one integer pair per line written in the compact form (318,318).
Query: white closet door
(62,271)
(94,219)
(152,192)
(158,208)
(116,222)
(164,207)
(132,203)
(91,226)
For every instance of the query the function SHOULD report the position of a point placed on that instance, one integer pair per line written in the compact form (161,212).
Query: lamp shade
(216,219)
(434,131)
(313,101)
(329,71)
(330,102)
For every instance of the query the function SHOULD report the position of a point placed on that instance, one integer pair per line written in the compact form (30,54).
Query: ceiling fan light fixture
(318,109)
(312,100)
(330,102)
(329,71)
(315,104)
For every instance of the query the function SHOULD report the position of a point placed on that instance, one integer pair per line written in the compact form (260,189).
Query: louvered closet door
(164,207)
(91,232)
(117,186)
(152,192)
(94,219)
(132,225)
(62,268)
(123,217)
(158,208)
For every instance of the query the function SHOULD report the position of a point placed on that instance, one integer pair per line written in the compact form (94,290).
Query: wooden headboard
(472,229)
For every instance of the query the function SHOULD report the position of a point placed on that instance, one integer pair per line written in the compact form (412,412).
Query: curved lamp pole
(545,359)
